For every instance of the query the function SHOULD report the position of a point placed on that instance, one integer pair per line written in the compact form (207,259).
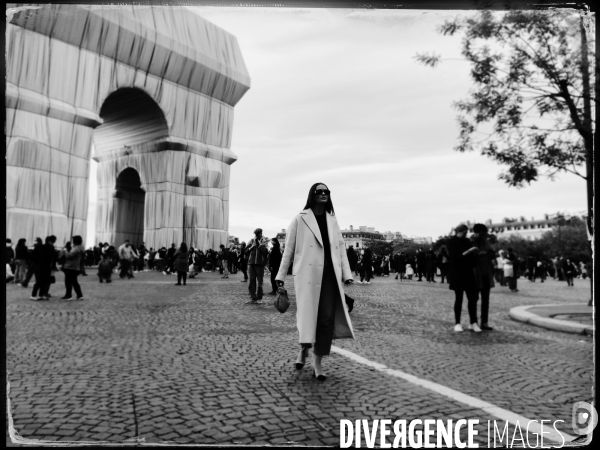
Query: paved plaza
(193,364)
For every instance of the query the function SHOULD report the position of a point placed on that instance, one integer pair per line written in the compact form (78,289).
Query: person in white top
(500,268)
(409,272)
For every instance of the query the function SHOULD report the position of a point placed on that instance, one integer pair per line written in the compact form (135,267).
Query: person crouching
(105,269)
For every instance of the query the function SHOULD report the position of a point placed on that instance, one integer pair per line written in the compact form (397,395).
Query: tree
(533,94)
(532,98)
(408,247)
(378,247)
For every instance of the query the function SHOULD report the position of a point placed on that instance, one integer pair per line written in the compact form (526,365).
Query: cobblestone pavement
(194,364)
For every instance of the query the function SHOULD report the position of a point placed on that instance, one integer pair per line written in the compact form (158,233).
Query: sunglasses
(322,192)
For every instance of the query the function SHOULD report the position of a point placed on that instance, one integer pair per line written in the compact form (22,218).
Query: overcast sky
(337,97)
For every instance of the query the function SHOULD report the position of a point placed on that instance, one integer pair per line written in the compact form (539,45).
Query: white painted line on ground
(503,414)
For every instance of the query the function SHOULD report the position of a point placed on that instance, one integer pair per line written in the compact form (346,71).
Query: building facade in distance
(358,237)
(529,229)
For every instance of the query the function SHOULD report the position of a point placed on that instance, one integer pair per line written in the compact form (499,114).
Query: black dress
(329,299)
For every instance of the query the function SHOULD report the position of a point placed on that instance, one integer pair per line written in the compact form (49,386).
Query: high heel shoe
(299,366)
(320,377)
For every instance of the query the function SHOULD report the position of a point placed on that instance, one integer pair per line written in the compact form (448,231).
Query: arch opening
(132,119)
(128,208)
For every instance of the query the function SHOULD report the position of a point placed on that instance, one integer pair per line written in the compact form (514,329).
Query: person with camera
(315,243)
(72,255)
(257,258)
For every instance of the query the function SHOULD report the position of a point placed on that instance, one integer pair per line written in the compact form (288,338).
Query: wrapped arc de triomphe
(151,90)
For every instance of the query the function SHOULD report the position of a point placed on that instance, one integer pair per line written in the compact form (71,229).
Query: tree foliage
(378,247)
(526,110)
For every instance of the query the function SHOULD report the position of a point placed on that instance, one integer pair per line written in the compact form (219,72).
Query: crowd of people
(253,261)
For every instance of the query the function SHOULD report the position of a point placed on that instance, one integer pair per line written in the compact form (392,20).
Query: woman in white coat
(315,245)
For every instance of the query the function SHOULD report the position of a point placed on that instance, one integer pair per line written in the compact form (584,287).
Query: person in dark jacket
(274,263)
(225,260)
(461,275)
(257,258)
(32,266)
(367,266)
(10,255)
(569,271)
(45,261)
(484,270)
(73,256)
(430,266)
(352,259)
(401,265)
(421,264)
(170,257)
(21,260)
(105,269)
(180,263)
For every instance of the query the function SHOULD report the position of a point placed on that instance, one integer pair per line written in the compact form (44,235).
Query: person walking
(125,256)
(21,261)
(44,260)
(352,259)
(484,270)
(243,262)
(274,263)
(569,271)
(510,267)
(386,266)
(367,266)
(170,260)
(73,255)
(257,258)
(315,242)
(180,263)
(32,267)
(461,276)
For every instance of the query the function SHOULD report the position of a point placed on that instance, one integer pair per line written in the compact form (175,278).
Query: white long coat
(304,247)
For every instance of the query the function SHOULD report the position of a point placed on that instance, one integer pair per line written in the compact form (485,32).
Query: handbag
(282,302)
(349,302)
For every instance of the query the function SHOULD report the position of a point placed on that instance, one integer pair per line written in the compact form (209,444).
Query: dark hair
(183,247)
(222,246)
(8,241)
(77,240)
(310,202)
(479,228)
(21,242)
